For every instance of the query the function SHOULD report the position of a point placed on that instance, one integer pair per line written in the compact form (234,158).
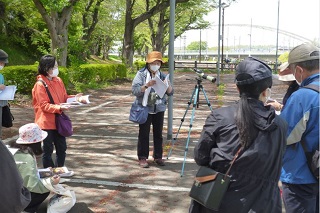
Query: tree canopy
(73,30)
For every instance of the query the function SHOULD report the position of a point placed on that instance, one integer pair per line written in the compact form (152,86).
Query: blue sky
(298,17)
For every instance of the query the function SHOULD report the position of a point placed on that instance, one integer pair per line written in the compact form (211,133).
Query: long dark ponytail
(245,119)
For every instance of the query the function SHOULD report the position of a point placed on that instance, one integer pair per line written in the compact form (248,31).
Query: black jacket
(255,173)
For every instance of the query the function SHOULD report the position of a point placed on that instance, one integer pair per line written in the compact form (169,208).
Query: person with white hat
(300,183)
(29,145)
(3,61)
(286,76)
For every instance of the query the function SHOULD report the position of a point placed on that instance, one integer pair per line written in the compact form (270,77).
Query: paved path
(102,151)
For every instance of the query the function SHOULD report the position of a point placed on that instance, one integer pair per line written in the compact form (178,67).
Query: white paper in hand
(160,87)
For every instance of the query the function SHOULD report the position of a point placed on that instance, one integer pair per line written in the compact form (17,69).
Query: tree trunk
(131,23)
(57,25)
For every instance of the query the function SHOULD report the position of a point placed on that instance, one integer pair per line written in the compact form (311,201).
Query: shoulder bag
(7,116)
(210,186)
(138,113)
(63,122)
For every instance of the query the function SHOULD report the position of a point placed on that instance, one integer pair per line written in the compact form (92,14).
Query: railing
(209,65)
(202,65)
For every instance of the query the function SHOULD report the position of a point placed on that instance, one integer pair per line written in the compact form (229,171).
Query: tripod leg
(182,120)
(190,127)
(206,97)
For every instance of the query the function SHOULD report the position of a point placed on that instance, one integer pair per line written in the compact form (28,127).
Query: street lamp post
(224,5)
(200,48)
(250,38)
(219,38)
(184,46)
(276,66)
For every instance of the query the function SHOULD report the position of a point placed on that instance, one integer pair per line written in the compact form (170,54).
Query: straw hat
(31,133)
(154,56)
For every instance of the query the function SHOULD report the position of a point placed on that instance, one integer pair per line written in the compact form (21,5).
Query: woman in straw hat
(29,146)
(142,88)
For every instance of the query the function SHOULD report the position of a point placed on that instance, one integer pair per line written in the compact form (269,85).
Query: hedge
(24,77)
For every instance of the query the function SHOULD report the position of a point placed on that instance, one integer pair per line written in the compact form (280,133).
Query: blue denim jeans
(54,140)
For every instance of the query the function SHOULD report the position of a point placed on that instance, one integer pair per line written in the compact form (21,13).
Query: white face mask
(1,67)
(154,67)
(264,99)
(268,95)
(294,74)
(55,73)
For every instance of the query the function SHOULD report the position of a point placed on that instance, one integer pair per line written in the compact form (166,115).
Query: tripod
(195,97)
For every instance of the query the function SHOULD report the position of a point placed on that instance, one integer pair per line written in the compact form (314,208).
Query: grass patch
(220,94)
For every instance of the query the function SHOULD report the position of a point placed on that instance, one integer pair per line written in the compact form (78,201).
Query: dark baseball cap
(3,56)
(255,69)
(303,52)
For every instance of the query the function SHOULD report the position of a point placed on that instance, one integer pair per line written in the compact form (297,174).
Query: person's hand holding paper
(160,87)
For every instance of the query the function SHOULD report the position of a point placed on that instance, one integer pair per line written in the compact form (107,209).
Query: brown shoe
(143,163)
(159,162)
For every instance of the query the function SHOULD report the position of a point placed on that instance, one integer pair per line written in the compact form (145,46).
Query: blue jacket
(2,102)
(138,81)
(302,114)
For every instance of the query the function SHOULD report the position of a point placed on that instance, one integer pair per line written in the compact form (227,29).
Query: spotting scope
(204,76)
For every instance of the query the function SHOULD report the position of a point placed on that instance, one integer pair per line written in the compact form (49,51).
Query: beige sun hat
(303,52)
(154,56)
(31,133)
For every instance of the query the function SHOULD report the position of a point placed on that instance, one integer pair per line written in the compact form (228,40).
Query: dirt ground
(102,151)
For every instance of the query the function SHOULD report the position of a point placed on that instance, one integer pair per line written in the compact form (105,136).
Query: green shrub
(23,77)
(138,64)
(88,76)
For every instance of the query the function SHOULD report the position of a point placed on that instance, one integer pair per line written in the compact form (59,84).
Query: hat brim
(286,71)
(283,66)
(288,77)
(44,134)
(153,60)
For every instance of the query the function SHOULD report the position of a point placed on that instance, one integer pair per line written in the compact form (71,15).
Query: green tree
(195,45)
(132,20)
(189,16)
(57,15)
(21,26)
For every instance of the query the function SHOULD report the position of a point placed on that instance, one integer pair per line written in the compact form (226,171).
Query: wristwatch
(145,86)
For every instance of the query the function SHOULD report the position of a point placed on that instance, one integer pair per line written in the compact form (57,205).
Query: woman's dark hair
(32,149)
(46,63)
(244,116)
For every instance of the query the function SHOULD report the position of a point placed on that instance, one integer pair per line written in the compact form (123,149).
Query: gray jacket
(138,81)
(14,197)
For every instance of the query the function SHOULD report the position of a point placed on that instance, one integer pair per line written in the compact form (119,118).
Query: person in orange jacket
(45,111)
